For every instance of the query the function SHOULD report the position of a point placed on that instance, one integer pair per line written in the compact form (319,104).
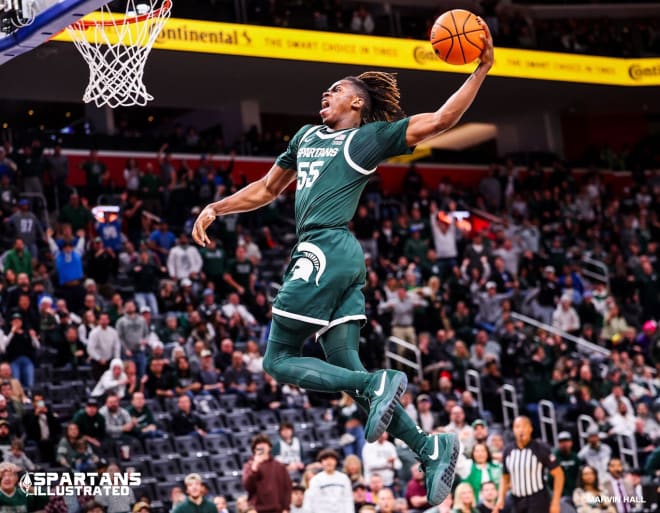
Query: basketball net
(116,48)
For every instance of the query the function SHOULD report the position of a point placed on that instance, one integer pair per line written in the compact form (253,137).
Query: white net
(116,48)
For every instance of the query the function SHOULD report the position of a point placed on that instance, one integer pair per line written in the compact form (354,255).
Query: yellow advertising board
(385,52)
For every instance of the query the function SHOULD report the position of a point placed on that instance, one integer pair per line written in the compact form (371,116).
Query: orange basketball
(456,37)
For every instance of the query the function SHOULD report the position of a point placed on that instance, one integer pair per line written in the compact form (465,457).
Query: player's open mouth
(325,106)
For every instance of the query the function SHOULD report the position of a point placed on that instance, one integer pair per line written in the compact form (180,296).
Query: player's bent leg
(381,396)
(283,361)
(438,453)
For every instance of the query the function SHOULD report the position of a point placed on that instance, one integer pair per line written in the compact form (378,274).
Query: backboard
(26,24)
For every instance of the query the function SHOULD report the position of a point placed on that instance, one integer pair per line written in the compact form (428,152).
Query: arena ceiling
(56,72)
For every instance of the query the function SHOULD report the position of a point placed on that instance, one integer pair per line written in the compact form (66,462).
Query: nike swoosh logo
(436,450)
(381,388)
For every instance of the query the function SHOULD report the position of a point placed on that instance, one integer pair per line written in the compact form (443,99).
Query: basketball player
(363,125)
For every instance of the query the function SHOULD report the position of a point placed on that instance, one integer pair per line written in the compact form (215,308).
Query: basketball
(456,37)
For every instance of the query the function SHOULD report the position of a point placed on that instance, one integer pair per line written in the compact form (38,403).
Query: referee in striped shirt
(524,465)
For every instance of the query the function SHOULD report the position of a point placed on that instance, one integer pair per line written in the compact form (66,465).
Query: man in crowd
(266,480)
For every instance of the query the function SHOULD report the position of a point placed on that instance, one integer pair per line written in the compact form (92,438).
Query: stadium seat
(166,467)
(141,464)
(214,421)
(239,421)
(224,464)
(228,402)
(60,394)
(217,444)
(293,416)
(63,374)
(158,447)
(188,445)
(266,418)
(193,464)
(136,447)
(242,440)
(230,487)
(164,491)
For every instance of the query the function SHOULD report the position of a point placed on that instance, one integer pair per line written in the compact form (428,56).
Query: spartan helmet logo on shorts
(313,259)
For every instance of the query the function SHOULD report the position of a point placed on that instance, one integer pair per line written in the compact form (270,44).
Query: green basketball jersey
(334,166)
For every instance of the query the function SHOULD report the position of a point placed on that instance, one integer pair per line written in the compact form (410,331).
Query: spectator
(19,259)
(12,498)
(464,499)
(402,307)
(72,454)
(288,450)
(565,318)
(237,378)
(187,380)
(237,314)
(457,424)
(43,428)
(185,421)
(239,275)
(266,480)
(160,382)
(146,275)
(116,503)
(480,468)
(161,241)
(362,21)
(17,456)
(19,347)
(118,422)
(76,213)
(184,260)
(91,423)
(71,352)
(17,389)
(297,499)
(195,502)
(381,457)
(569,462)
(587,494)
(623,422)
(416,489)
(329,491)
(133,333)
(101,261)
(103,346)
(25,225)
(487,497)
(113,381)
(145,424)
(596,454)
(615,486)
(428,420)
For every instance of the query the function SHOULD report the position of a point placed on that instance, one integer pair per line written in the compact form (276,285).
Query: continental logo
(222,37)
(639,72)
(424,55)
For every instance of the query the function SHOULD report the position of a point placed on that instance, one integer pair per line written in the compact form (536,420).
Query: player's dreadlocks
(381,96)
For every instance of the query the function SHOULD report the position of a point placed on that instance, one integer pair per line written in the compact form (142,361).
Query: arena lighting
(461,137)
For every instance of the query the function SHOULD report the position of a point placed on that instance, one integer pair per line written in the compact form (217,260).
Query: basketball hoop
(116,48)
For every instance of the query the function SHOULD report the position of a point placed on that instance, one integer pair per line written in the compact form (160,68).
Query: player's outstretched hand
(203,221)
(487,57)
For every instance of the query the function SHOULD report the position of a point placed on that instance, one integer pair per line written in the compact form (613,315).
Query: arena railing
(581,344)
(548,421)
(396,356)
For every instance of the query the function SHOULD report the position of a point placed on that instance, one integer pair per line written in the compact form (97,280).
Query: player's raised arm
(252,197)
(423,126)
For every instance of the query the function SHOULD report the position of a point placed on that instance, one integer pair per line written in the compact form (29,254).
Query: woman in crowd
(587,494)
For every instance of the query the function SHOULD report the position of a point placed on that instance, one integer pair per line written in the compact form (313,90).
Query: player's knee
(270,367)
